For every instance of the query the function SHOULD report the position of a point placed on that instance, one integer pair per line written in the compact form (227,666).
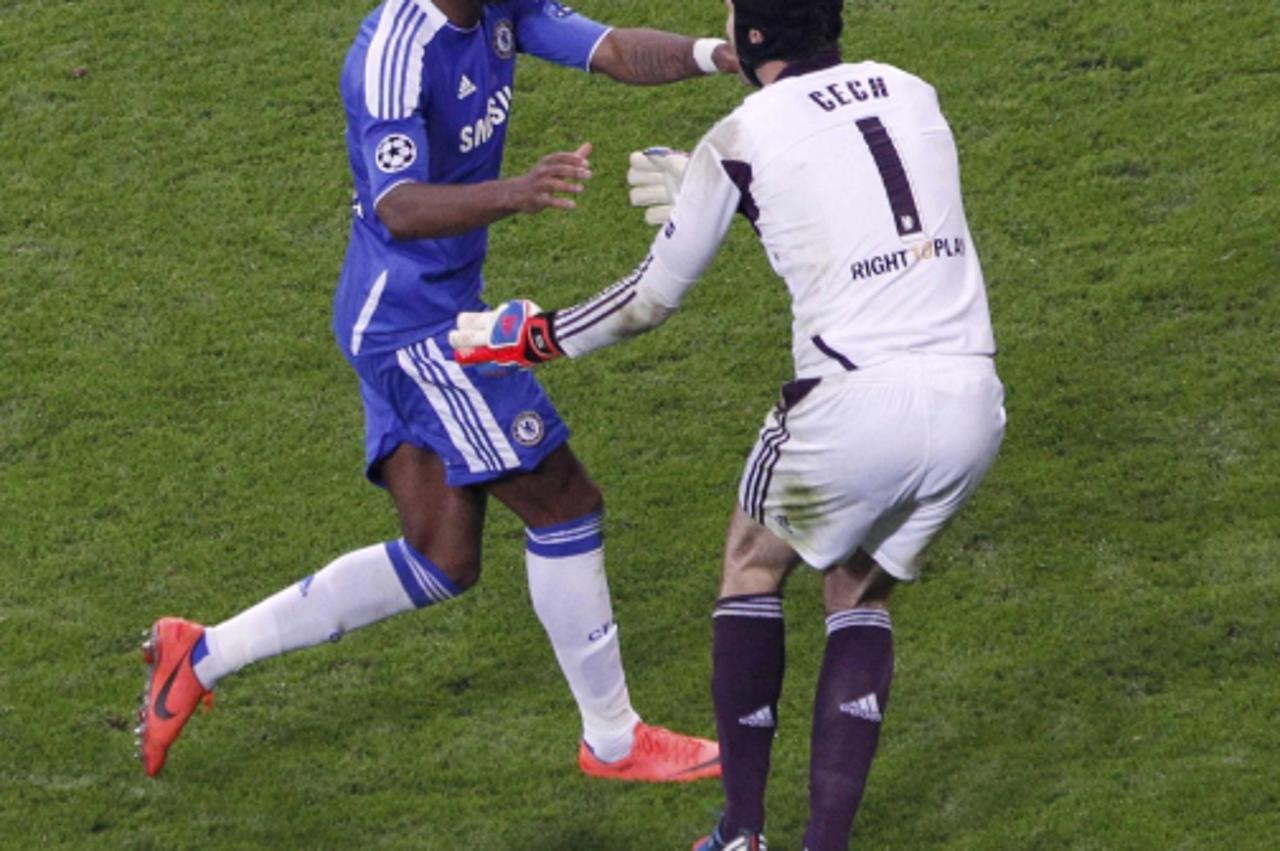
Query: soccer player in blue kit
(428,90)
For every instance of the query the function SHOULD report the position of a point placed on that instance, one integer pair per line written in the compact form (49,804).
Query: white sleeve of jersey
(684,247)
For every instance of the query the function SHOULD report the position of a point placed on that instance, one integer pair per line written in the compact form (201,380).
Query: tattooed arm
(646,57)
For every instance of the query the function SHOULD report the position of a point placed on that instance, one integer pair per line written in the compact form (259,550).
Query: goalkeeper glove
(655,177)
(515,333)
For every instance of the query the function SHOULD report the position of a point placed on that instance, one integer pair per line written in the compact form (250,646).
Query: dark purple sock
(746,679)
(853,693)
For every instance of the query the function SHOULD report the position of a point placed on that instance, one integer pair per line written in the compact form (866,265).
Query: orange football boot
(657,756)
(173,691)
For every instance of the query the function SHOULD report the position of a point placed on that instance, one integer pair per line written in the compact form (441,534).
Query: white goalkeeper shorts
(879,458)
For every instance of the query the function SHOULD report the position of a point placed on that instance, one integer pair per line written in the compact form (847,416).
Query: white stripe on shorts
(466,416)
(443,410)
(496,435)
(768,450)
(459,407)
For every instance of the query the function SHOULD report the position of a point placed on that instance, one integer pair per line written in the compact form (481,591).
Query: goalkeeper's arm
(520,334)
(638,303)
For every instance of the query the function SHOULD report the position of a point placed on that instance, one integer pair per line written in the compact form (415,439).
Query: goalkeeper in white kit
(848,172)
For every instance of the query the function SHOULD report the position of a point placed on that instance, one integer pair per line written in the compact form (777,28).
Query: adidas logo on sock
(466,88)
(762,717)
(866,707)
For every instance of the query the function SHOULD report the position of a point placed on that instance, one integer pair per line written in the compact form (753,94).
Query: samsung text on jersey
(475,135)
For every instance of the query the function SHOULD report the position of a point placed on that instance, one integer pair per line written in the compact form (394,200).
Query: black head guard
(788,30)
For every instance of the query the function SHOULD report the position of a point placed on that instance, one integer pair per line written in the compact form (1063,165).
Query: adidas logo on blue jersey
(466,88)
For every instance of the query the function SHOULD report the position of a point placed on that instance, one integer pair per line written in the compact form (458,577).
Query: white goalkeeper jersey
(850,176)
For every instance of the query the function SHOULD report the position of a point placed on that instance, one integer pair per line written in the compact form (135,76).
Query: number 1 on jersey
(901,200)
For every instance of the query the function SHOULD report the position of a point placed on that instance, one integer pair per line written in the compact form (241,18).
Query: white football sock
(570,594)
(358,589)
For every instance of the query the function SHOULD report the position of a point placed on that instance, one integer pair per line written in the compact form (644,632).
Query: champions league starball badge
(504,40)
(527,429)
(396,153)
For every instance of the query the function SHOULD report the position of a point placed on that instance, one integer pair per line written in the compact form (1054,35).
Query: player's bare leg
(563,511)
(437,559)
(852,696)
(444,523)
(746,679)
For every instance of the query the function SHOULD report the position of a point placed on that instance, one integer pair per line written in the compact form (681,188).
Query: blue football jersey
(429,101)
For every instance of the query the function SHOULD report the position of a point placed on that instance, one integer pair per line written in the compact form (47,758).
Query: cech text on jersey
(849,92)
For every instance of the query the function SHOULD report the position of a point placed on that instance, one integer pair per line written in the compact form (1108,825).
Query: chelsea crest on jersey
(428,101)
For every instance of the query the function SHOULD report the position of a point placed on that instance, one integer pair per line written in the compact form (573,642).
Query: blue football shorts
(483,423)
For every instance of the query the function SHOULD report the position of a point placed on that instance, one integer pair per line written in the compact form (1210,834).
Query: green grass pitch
(1090,662)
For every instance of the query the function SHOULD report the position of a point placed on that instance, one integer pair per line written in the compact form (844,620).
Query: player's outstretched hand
(549,182)
(655,177)
(515,333)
